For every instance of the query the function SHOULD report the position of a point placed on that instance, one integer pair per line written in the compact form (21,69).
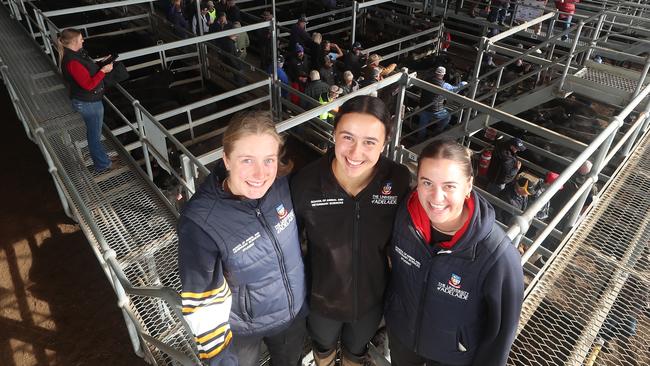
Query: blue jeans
(440,119)
(566,24)
(93,115)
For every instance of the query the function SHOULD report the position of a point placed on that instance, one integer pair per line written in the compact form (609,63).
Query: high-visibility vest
(327,115)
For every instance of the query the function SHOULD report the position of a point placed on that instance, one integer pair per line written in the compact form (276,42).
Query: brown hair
(451,150)
(255,123)
(65,38)
(368,105)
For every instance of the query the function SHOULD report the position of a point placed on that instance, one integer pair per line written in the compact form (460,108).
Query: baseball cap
(440,70)
(551,177)
(525,186)
(356,45)
(334,89)
(518,144)
(303,18)
(299,48)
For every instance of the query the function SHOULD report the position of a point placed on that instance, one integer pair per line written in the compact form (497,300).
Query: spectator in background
(200,21)
(298,34)
(571,187)
(242,43)
(232,11)
(333,93)
(332,50)
(282,75)
(349,84)
(545,212)
(263,42)
(299,84)
(435,111)
(568,8)
(327,71)
(354,59)
(298,63)
(517,194)
(221,23)
(316,86)
(375,77)
(371,64)
(316,52)
(177,18)
(504,165)
(212,12)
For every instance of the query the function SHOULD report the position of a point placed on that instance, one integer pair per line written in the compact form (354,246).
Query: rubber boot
(326,358)
(348,359)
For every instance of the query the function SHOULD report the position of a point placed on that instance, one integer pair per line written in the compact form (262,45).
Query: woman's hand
(107,68)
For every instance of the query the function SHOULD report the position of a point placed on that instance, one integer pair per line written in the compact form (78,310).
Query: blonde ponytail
(63,40)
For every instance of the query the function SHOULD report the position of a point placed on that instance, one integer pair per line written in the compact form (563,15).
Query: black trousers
(285,347)
(400,355)
(354,336)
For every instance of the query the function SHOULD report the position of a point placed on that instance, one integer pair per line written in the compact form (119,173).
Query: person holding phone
(85,81)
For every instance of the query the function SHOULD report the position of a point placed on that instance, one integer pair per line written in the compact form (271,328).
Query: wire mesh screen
(591,305)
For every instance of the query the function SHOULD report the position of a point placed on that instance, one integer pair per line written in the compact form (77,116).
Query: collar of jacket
(478,229)
(330,185)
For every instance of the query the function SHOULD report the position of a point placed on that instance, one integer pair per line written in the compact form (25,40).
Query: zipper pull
(258,213)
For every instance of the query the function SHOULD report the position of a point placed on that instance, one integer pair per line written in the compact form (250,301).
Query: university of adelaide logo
(452,288)
(285,218)
(387,188)
(282,213)
(454,280)
(385,198)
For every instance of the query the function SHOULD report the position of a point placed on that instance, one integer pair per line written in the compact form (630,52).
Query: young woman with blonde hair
(240,263)
(85,81)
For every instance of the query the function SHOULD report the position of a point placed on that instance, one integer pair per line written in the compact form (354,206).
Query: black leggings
(355,336)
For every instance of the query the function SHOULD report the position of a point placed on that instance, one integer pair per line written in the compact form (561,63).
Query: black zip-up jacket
(459,306)
(347,236)
(76,91)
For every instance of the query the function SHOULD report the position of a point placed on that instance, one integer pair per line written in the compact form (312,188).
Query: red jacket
(566,6)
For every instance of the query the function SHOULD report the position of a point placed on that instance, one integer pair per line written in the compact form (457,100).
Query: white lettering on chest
(452,291)
(326,202)
(246,244)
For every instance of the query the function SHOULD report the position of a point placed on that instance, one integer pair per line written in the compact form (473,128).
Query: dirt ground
(56,306)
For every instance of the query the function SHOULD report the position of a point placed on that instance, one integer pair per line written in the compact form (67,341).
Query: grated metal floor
(592,302)
(610,80)
(131,216)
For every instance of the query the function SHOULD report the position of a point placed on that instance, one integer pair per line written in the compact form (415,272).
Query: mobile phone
(111,58)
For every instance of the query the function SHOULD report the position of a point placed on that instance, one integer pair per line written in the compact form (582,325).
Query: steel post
(188,175)
(475,78)
(594,38)
(596,168)
(644,74)
(571,54)
(399,115)
(142,137)
(630,142)
(355,7)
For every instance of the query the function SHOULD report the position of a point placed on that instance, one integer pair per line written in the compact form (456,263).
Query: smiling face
(360,139)
(252,165)
(442,188)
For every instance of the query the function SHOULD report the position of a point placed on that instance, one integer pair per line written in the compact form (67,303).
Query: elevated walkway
(128,223)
